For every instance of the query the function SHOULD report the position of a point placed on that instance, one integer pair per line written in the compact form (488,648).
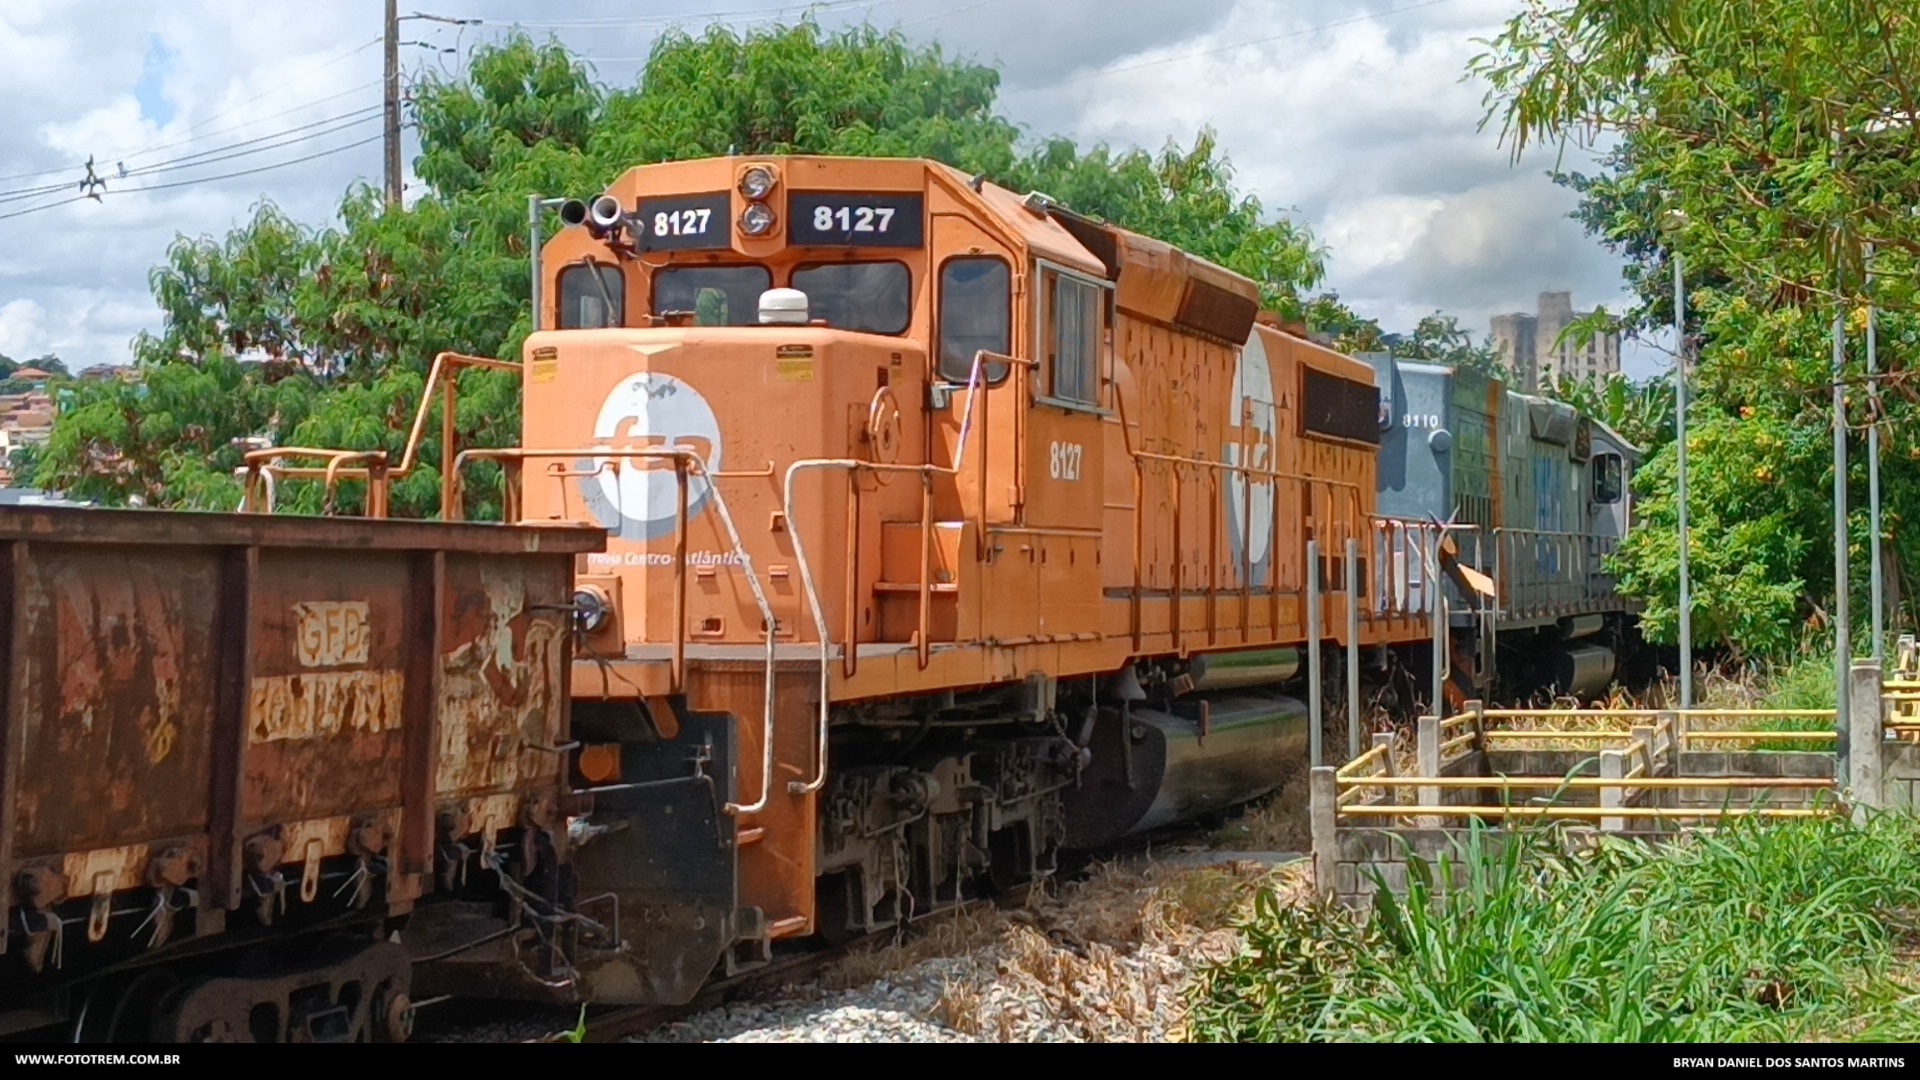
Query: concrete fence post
(1643,736)
(1676,736)
(1428,755)
(1478,709)
(1323,807)
(1858,759)
(1384,740)
(1613,766)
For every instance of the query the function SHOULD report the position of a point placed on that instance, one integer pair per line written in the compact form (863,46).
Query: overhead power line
(164,185)
(259,144)
(127,152)
(258,169)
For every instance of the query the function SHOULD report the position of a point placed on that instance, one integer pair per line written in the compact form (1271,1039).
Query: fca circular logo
(637,497)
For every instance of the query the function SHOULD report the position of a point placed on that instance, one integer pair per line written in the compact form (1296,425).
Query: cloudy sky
(1352,115)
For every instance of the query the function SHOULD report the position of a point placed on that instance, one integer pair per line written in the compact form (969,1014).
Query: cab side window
(1073,343)
(1608,481)
(584,304)
(976,315)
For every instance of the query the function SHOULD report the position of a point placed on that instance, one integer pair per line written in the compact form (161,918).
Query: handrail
(1627,714)
(1393,810)
(259,462)
(1533,783)
(686,463)
(1763,736)
(927,472)
(1368,757)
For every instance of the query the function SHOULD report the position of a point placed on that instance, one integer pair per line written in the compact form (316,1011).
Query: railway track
(476,1022)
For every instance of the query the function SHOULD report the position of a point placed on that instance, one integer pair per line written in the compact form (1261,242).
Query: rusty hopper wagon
(240,751)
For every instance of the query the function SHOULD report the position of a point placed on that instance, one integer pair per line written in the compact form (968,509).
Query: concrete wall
(1900,775)
(1364,852)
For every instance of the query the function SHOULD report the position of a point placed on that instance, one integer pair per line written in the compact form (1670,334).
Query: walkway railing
(1637,751)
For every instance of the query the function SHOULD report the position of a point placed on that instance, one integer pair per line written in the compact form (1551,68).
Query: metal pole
(1680,496)
(1436,599)
(1873,482)
(1842,646)
(533,254)
(536,204)
(1315,753)
(1842,624)
(1353,649)
(393,104)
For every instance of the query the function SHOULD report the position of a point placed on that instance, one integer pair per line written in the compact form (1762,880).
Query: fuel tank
(1152,767)
(1584,670)
(1250,667)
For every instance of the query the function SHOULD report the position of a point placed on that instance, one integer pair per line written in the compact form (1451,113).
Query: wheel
(122,1009)
(393,1015)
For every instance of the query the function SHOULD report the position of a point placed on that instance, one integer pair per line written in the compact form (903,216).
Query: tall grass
(1802,681)
(1754,933)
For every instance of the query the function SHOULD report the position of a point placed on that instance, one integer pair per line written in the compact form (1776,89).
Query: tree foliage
(1775,145)
(321,336)
(1440,339)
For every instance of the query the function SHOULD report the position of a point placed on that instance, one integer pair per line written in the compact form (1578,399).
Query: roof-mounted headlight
(756,220)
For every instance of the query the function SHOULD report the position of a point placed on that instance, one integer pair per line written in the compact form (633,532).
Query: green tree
(1772,144)
(1440,339)
(337,323)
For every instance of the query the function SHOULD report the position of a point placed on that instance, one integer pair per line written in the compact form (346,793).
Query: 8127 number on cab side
(852,219)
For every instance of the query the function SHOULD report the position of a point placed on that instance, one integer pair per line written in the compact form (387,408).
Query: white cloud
(20,328)
(1381,231)
(1352,115)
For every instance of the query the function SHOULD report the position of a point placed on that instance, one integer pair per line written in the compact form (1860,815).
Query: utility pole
(1879,585)
(393,104)
(1675,221)
(1680,448)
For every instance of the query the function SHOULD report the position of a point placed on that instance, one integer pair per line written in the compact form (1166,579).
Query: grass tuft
(1786,932)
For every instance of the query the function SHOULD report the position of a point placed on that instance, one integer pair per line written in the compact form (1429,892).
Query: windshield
(875,298)
(717,295)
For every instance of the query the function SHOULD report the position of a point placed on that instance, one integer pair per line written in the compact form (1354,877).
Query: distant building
(1530,346)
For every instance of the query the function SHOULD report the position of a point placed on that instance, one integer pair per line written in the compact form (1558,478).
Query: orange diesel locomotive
(946,528)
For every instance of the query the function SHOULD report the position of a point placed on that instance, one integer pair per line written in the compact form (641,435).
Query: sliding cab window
(976,315)
(872,298)
(715,295)
(1608,479)
(587,305)
(1073,339)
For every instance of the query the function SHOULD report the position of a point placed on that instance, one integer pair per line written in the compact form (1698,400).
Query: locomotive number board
(850,219)
(686,222)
